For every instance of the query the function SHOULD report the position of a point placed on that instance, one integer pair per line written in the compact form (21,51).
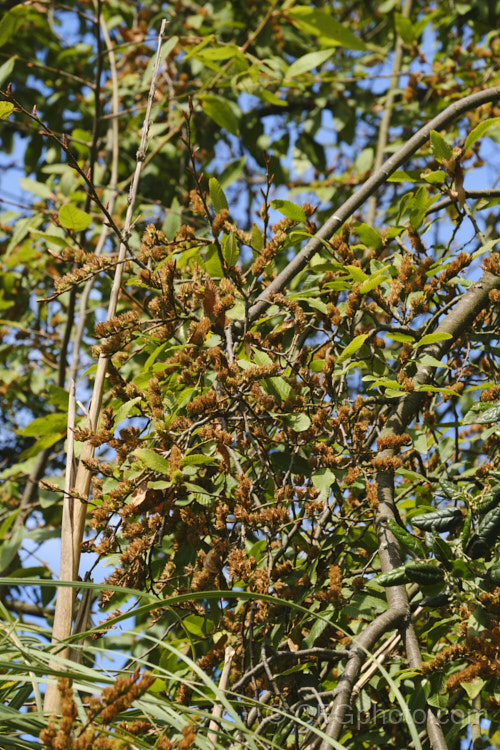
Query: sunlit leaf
(74,218)
(289,209)
(197,459)
(309,61)
(479,131)
(433,338)
(153,460)
(369,236)
(353,347)
(5,109)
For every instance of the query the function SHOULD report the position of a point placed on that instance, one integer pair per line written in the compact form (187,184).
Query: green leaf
(197,459)
(479,131)
(308,62)
(488,416)
(353,347)
(395,577)
(473,688)
(73,218)
(289,209)
(434,178)
(220,112)
(357,274)
(363,161)
(230,249)
(372,282)
(46,441)
(429,361)
(231,173)
(257,238)
(237,311)
(432,338)
(440,148)
(5,109)
(321,24)
(297,422)
(10,546)
(219,201)
(401,176)
(50,423)
(126,409)
(316,630)
(322,480)
(387,383)
(11,22)
(418,208)
(400,337)
(152,460)
(278,388)
(172,222)
(486,248)
(212,262)
(198,625)
(5,73)
(404,28)
(369,236)
(317,304)
(38,188)
(261,358)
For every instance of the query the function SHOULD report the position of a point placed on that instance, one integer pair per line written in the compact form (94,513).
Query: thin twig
(383,131)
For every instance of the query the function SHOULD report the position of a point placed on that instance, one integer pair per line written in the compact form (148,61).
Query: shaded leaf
(220,112)
(219,201)
(321,24)
(441,149)
(405,28)
(46,425)
(230,249)
(297,422)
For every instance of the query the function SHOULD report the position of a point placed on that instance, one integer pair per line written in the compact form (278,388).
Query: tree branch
(456,321)
(383,131)
(447,116)
(362,644)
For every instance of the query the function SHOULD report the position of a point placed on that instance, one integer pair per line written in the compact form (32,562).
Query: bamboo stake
(74,511)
